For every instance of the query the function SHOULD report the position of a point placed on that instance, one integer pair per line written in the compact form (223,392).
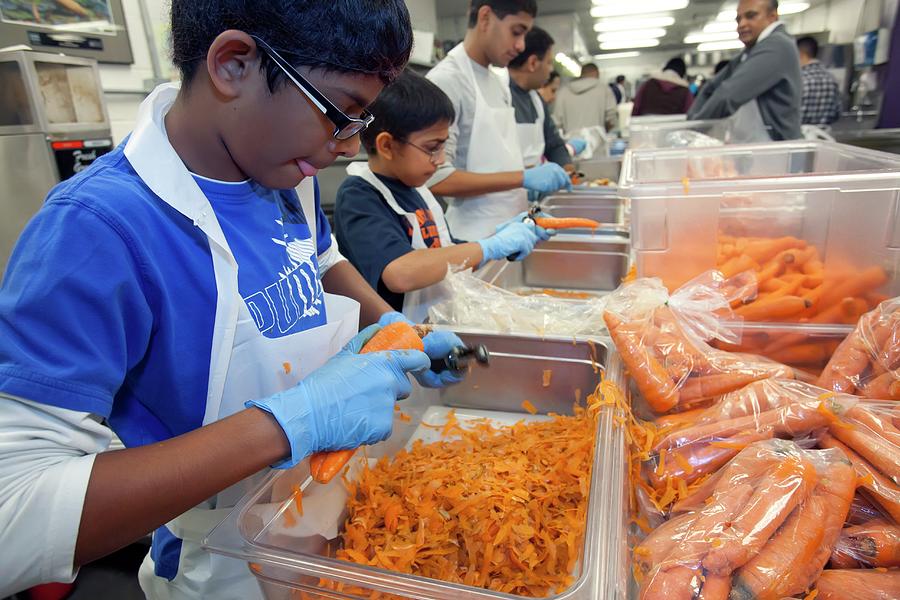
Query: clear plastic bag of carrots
(867,363)
(764,526)
(662,339)
(472,302)
(694,445)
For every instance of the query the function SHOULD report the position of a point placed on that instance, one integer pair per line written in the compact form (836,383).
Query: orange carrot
(803,354)
(866,280)
(776,308)
(693,461)
(877,487)
(710,386)
(764,250)
(736,265)
(394,336)
(858,584)
(566,223)
(649,375)
(884,387)
(874,544)
(786,486)
(880,453)
(715,587)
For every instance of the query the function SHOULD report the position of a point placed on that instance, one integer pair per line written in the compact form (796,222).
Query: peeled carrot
(764,250)
(715,587)
(394,336)
(566,223)
(858,584)
(710,386)
(884,387)
(693,461)
(874,544)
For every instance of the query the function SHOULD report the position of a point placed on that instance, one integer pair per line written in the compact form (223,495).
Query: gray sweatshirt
(586,102)
(769,71)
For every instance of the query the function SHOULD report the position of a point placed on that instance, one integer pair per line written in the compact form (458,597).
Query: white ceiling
(692,18)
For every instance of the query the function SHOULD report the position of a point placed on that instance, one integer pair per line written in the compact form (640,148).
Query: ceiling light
(569,64)
(616,8)
(631,54)
(792,8)
(728,16)
(696,37)
(720,26)
(634,23)
(643,34)
(622,44)
(729,45)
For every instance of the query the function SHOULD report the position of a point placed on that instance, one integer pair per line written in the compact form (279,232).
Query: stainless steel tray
(607,209)
(285,563)
(584,263)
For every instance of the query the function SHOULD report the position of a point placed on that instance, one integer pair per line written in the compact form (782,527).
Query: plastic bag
(868,361)
(476,303)
(697,443)
(873,544)
(662,340)
(868,434)
(765,528)
(687,138)
(858,584)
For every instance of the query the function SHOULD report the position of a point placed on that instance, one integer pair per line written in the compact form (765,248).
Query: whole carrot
(858,584)
(776,308)
(395,336)
(566,223)
(880,453)
(877,487)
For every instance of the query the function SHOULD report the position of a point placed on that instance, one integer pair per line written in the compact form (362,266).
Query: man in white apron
(485,177)
(762,87)
(178,291)
(388,223)
(538,135)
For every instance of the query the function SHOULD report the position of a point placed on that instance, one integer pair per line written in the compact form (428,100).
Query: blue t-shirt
(109,299)
(371,235)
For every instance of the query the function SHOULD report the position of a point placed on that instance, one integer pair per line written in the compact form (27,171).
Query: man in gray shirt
(767,72)
(538,134)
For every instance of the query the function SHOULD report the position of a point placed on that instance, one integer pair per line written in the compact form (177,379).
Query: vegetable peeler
(533,213)
(459,357)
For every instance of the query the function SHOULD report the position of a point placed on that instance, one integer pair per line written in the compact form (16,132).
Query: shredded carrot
(686,184)
(528,406)
(686,466)
(832,418)
(289,519)
(716,543)
(865,481)
(404,417)
(298,498)
(812,595)
(287,367)
(661,467)
(881,569)
(728,445)
(548,373)
(503,508)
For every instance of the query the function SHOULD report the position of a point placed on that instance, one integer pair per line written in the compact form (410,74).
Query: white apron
(748,125)
(244,364)
(417,302)
(493,148)
(531,135)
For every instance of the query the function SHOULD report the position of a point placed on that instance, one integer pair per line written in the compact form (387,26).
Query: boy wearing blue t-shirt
(388,223)
(183,292)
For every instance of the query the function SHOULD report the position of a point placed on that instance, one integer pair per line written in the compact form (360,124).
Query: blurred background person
(665,93)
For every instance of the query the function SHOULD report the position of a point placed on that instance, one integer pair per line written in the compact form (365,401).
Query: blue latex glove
(546,178)
(438,344)
(514,240)
(393,317)
(578,145)
(347,402)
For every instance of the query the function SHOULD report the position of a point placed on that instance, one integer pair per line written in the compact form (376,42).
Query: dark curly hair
(358,36)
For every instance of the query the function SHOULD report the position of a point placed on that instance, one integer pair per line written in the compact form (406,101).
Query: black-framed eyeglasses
(345,127)
(433,155)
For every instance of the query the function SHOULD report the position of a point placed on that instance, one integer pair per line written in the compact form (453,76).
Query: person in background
(665,93)
(538,135)
(182,291)
(484,177)
(720,66)
(762,85)
(550,88)
(388,223)
(821,99)
(619,89)
(585,102)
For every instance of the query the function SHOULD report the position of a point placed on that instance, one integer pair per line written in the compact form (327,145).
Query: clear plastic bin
(290,562)
(843,200)
(658,134)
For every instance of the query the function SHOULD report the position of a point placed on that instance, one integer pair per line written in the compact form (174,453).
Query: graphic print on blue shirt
(427,227)
(279,277)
